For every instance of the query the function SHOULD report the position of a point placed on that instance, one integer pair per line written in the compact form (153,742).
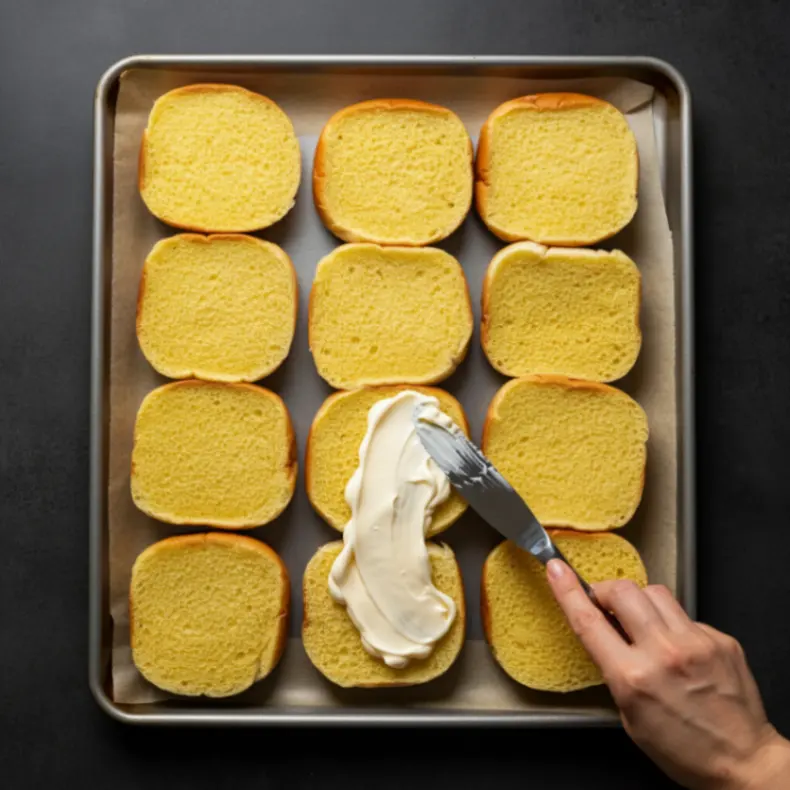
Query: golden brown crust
(138,316)
(292,464)
(215,87)
(446,372)
(186,89)
(283,615)
(207,239)
(336,396)
(226,539)
(538,102)
(141,160)
(550,101)
(319,170)
(460,615)
(485,314)
(485,609)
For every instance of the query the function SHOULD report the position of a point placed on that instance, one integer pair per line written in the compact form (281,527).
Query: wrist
(768,768)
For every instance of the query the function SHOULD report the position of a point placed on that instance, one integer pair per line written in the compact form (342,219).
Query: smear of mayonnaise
(383,574)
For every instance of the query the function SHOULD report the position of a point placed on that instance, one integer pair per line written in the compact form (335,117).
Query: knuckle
(732,647)
(703,651)
(622,589)
(634,683)
(659,590)
(688,656)
(674,658)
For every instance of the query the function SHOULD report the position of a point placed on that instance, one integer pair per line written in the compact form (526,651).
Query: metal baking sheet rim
(98,611)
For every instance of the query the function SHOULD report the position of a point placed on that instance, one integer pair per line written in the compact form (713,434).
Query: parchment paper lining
(475,682)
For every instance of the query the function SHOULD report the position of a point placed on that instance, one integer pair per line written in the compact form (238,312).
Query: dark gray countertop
(734,56)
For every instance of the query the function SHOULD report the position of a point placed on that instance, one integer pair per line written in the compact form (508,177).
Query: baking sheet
(475,683)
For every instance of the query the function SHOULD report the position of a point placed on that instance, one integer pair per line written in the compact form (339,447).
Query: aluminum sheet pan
(475,691)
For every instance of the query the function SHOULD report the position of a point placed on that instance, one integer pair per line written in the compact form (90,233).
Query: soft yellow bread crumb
(218,158)
(218,307)
(388,315)
(393,171)
(332,453)
(574,450)
(333,644)
(207,613)
(211,453)
(566,311)
(525,627)
(557,168)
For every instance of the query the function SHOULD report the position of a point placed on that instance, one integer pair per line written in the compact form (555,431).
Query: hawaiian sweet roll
(525,627)
(556,168)
(393,171)
(574,450)
(333,451)
(557,310)
(333,643)
(220,307)
(207,613)
(215,454)
(218,158)
(388,315)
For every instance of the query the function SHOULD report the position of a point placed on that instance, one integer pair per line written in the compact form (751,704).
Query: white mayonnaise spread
(383,574)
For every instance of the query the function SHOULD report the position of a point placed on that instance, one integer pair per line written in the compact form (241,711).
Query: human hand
(686,695)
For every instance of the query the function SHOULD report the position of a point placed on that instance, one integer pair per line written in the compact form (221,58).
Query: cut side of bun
(206,453)
(218,158)
(553,310)
(556,168)
(208,613)
(388,315)
(393,171)
(574,450)
(220,308)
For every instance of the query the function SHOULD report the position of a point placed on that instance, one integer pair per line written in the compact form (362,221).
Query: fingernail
(555,569)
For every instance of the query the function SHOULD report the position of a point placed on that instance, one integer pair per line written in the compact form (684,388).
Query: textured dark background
(734,56)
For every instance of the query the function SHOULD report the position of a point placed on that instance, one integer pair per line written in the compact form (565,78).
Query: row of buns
(555,168)
(223,308)
(209,613)
(223,455)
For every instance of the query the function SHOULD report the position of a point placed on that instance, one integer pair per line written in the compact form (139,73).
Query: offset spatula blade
(482,486)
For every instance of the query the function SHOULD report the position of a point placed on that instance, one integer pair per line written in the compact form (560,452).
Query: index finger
(605,646)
